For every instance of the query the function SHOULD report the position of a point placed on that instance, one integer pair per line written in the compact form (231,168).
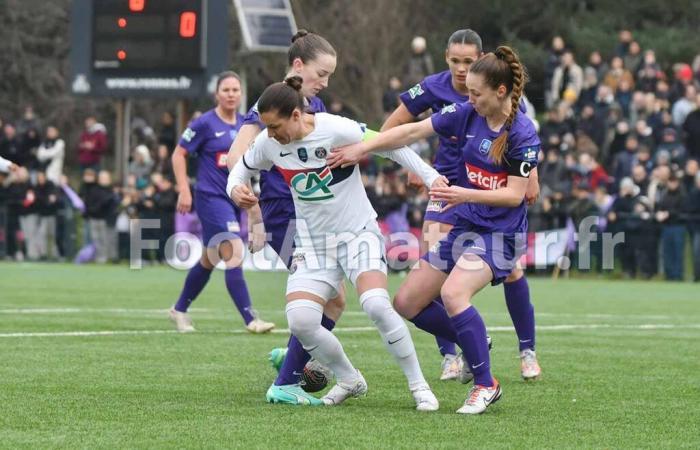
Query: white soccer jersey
(330,201)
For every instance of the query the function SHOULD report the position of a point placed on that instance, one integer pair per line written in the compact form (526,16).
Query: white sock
(304,318)
(395,334)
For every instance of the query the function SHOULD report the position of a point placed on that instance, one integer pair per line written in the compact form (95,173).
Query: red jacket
(92,145)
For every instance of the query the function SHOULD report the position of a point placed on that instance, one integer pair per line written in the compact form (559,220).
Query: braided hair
(503,67)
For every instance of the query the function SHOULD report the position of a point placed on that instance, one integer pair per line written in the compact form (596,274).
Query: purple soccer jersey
(434,93)
(210,138)
(462,124)
(272,184)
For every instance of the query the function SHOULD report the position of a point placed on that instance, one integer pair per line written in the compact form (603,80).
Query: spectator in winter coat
(92,145)
(669,213)
(51,154)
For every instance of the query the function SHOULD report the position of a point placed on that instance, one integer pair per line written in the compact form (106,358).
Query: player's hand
(256,230)
(184,201)
(415,181)
(243,197)
(440,182)
(346,156)
(13,167)
(532,192)
(449,195)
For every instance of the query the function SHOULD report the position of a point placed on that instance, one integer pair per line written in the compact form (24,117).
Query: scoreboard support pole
(123,138)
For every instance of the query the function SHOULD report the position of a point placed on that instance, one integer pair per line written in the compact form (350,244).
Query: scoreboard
(156,48)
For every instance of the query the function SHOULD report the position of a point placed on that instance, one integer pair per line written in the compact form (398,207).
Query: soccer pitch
(89,359)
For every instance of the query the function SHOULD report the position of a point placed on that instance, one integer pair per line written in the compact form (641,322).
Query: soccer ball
(315,376)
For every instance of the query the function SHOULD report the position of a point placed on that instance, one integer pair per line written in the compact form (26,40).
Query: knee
(515,275)
(375,302)
(335,307)
(403,304)
(304,318)
(454,297)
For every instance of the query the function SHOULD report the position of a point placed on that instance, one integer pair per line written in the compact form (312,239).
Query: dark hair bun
(294,82)
(299,34)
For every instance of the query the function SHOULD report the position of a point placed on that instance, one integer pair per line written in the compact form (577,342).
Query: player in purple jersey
(314,59)
(499,150)
(209,136)
(435,92)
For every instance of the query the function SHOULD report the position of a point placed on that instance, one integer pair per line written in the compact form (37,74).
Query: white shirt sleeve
(46,153)
(5,164)
(345,131)
(254,160)
(411,161)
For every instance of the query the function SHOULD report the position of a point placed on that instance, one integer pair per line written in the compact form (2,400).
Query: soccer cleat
(451,367)
(291,394)
(183,322)
(257,326)
(341,391)
(425,399)
(466,375)
(276,357)
(529,367)
(480,397)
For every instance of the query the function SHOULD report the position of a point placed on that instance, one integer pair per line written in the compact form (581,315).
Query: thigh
(310,272)
(363,253)
(421,286)
(469,276)
(219,218)
(433,232)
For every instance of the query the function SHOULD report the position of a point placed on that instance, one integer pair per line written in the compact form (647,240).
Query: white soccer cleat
(257,326)
(451,367)
(342,391)
(183,321)
(529,367)
(425,399)
(480,397)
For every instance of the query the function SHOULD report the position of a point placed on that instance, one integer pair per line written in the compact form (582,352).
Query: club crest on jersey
(321,153)
(297,259)
(303,156)
(416,91)
(485,146)
(312,186)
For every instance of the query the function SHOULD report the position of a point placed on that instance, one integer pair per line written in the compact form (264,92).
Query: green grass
(614,384)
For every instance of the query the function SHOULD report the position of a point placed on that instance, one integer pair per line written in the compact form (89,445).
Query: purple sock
(196,279)
(471,336)
(434,319)
(238,290)
(521,312)
(296,358)
(444,346)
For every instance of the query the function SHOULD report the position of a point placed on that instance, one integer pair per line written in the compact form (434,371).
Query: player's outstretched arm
(246,135)
(386,140)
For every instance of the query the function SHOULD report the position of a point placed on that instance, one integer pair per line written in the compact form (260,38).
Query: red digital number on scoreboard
(188,24)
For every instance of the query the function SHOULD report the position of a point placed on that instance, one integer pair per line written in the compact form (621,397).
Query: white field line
(145,311)
(650,326)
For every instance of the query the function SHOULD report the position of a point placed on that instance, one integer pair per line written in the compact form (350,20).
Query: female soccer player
(341,236)
(314,59)
(210,136)
(499,149)
(435,92)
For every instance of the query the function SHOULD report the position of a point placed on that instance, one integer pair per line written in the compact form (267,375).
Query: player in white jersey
(337,233)
(7,166)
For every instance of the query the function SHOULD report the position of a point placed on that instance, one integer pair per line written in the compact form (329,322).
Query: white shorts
(320,269)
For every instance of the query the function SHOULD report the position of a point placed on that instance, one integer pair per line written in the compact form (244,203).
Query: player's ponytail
(308,46)
(283,97)
(503,67)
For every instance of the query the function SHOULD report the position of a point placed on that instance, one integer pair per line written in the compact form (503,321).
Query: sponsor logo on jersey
(188,134)
(321,153)
(416,91)
(221,158)
(312,186)
(434,206)
(303,156)
(485,146)
(448,109)
(483,179)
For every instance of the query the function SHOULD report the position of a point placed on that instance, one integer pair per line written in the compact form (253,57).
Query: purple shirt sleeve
(450,121)
(523,141)
(253,118)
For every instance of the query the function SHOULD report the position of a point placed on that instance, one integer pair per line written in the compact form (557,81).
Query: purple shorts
(278,216)
(501,251)
(432,212)
(219,217)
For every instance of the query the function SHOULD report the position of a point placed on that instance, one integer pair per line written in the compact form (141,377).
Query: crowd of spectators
(620,142)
